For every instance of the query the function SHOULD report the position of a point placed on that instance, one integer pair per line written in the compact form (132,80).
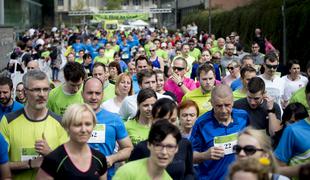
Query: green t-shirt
(103,60)
(147,48)
(300,96)
(116,48)
(58,101)
(136,131)
(215,49)
(109,54)
(202,100)
(136,170)
(108,92)
(195,53)
(237,94)
(20,132)
(79,60)
(161,53)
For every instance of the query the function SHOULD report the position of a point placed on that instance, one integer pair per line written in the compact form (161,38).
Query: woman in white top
(123,88)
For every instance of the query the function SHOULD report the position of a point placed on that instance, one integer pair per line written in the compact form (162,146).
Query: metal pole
(176,14)
(209,8)
(284,33)
(1,12)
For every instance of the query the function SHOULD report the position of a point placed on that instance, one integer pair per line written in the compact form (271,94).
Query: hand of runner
(215,153)
(110,161)
(269,100)
(176,78)
(42,147)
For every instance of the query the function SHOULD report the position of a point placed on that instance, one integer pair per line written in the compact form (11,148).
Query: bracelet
(29,164)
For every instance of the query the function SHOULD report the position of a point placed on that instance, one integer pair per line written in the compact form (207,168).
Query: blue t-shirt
(236,84)
(114,130)
(123,66)
(14,107)
(202,137)
(136,87)
(294,145)
(4,158)
(93,50)
(77,47)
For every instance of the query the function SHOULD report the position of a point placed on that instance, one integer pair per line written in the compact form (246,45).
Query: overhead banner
(120,16)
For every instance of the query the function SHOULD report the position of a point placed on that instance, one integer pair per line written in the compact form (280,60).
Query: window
(136,2)
(125,3)
(60,2)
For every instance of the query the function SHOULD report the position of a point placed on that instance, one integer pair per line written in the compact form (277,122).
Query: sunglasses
(152,50)
(248,149)
(272,66)
(230,68)
(178,68)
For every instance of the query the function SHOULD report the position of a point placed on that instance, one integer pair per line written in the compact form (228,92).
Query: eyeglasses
(230,68)
(248,149)
(272,66)
(38,90)
(178,68)
(169,147)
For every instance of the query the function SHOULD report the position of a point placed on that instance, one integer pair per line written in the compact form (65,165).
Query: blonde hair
(73,114)
(251,165)
(265,143)
(118,81)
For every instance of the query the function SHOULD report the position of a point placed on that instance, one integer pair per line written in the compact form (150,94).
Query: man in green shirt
(194,52)
(99,71)
(69,92)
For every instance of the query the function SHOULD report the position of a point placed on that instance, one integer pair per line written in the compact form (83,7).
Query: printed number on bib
(226,142)
(98,135)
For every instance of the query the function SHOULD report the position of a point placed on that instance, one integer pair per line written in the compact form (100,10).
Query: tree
(114,4)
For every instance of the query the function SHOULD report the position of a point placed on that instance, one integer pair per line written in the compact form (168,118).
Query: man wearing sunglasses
(215,133)
(264,113)
(273,83)
(178,83)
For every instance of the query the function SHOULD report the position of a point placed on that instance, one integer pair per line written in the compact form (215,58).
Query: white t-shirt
(110,105)
(274,88)
(291,86)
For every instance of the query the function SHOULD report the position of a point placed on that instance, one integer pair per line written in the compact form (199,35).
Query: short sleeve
(283,151)
(103,162)
(121,131)
(196,138)
(3,150)
(49,165)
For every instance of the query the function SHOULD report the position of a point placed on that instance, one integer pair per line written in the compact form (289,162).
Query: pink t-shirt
(174,88)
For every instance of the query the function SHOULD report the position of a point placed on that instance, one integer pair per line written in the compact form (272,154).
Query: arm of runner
(124,152)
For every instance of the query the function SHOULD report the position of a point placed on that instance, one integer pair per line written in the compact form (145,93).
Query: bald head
(33,65)
(221,91)
(93,93)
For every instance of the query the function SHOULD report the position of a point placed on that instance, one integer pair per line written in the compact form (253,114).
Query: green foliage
(267,15)
(114,4)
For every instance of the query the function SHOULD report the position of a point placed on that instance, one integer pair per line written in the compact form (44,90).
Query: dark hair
(6,81)
(297,109)
(142,96)
(246,69)
(145,73)
(206,67)
(142,58)
(117,54)
(116,65)
(256,84)
(161,129)
(307,90)
(272,57)
(245,58)
(304,172)
(86,55)
(162,107)
(187,104)
(292,62)
(97,64)
(74,71)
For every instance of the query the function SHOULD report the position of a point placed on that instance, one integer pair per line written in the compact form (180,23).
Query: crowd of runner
(142,104)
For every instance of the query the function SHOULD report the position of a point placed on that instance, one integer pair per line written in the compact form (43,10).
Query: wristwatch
(273,110)
(180,84)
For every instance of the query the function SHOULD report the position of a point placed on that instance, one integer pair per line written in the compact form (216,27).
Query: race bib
(28,153)
(226,142)
(98,135)
(125,56)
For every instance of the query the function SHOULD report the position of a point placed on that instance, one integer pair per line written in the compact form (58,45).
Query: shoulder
(54,116)
(14,115)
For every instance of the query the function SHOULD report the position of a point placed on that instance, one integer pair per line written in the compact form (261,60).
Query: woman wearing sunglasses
(256,144)
(234,72)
